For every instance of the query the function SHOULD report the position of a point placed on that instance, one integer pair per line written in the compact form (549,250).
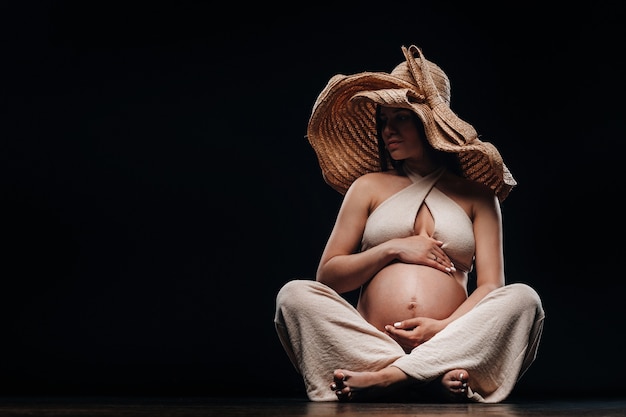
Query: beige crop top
(395,217)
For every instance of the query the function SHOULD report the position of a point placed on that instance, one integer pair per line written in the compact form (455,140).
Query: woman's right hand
(412,332)
(423,250)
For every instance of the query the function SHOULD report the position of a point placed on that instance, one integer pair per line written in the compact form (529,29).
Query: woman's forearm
(345,273)
(475,297)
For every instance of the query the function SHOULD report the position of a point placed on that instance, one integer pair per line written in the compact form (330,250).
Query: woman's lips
(393,144)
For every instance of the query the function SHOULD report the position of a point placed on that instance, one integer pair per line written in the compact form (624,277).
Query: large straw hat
(342,127)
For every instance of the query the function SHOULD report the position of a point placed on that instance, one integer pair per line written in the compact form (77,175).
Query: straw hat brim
(342,130)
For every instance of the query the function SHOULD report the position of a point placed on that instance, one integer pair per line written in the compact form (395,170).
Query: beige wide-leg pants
(495,342)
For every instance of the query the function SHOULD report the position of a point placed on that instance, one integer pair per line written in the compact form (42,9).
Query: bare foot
(455,384)
(367,386)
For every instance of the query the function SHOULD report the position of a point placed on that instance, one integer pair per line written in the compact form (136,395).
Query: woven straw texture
(342,127)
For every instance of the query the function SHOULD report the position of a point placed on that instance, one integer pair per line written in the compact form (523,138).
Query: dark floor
(277,407)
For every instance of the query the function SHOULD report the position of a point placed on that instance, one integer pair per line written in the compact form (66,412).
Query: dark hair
(450,160)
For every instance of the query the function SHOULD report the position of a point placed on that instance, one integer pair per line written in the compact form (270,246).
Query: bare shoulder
(378,186)
(377,180)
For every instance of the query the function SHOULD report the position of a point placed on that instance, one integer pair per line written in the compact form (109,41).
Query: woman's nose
(389,127)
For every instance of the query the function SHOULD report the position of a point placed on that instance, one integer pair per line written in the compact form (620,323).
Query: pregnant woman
(421,209)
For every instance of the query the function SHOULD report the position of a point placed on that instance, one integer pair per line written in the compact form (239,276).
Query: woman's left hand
(413,332)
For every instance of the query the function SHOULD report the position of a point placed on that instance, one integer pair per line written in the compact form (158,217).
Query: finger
(438,260)
(440,255)
(441,260)
(394,332)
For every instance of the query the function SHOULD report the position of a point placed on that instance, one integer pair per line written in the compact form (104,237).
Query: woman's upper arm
(489,261)
(345,237)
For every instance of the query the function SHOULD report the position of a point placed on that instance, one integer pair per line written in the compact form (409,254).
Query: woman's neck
(422,168)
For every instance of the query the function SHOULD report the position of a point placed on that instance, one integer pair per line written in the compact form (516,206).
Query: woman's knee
(294,292)
(526,292)
(524,296)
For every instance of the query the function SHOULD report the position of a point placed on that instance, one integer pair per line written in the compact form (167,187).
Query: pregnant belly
(401,291)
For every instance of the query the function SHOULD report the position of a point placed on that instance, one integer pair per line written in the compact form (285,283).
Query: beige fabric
(496,341)
(321,332)
(395,217)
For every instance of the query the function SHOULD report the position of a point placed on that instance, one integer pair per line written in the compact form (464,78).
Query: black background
(158,190)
